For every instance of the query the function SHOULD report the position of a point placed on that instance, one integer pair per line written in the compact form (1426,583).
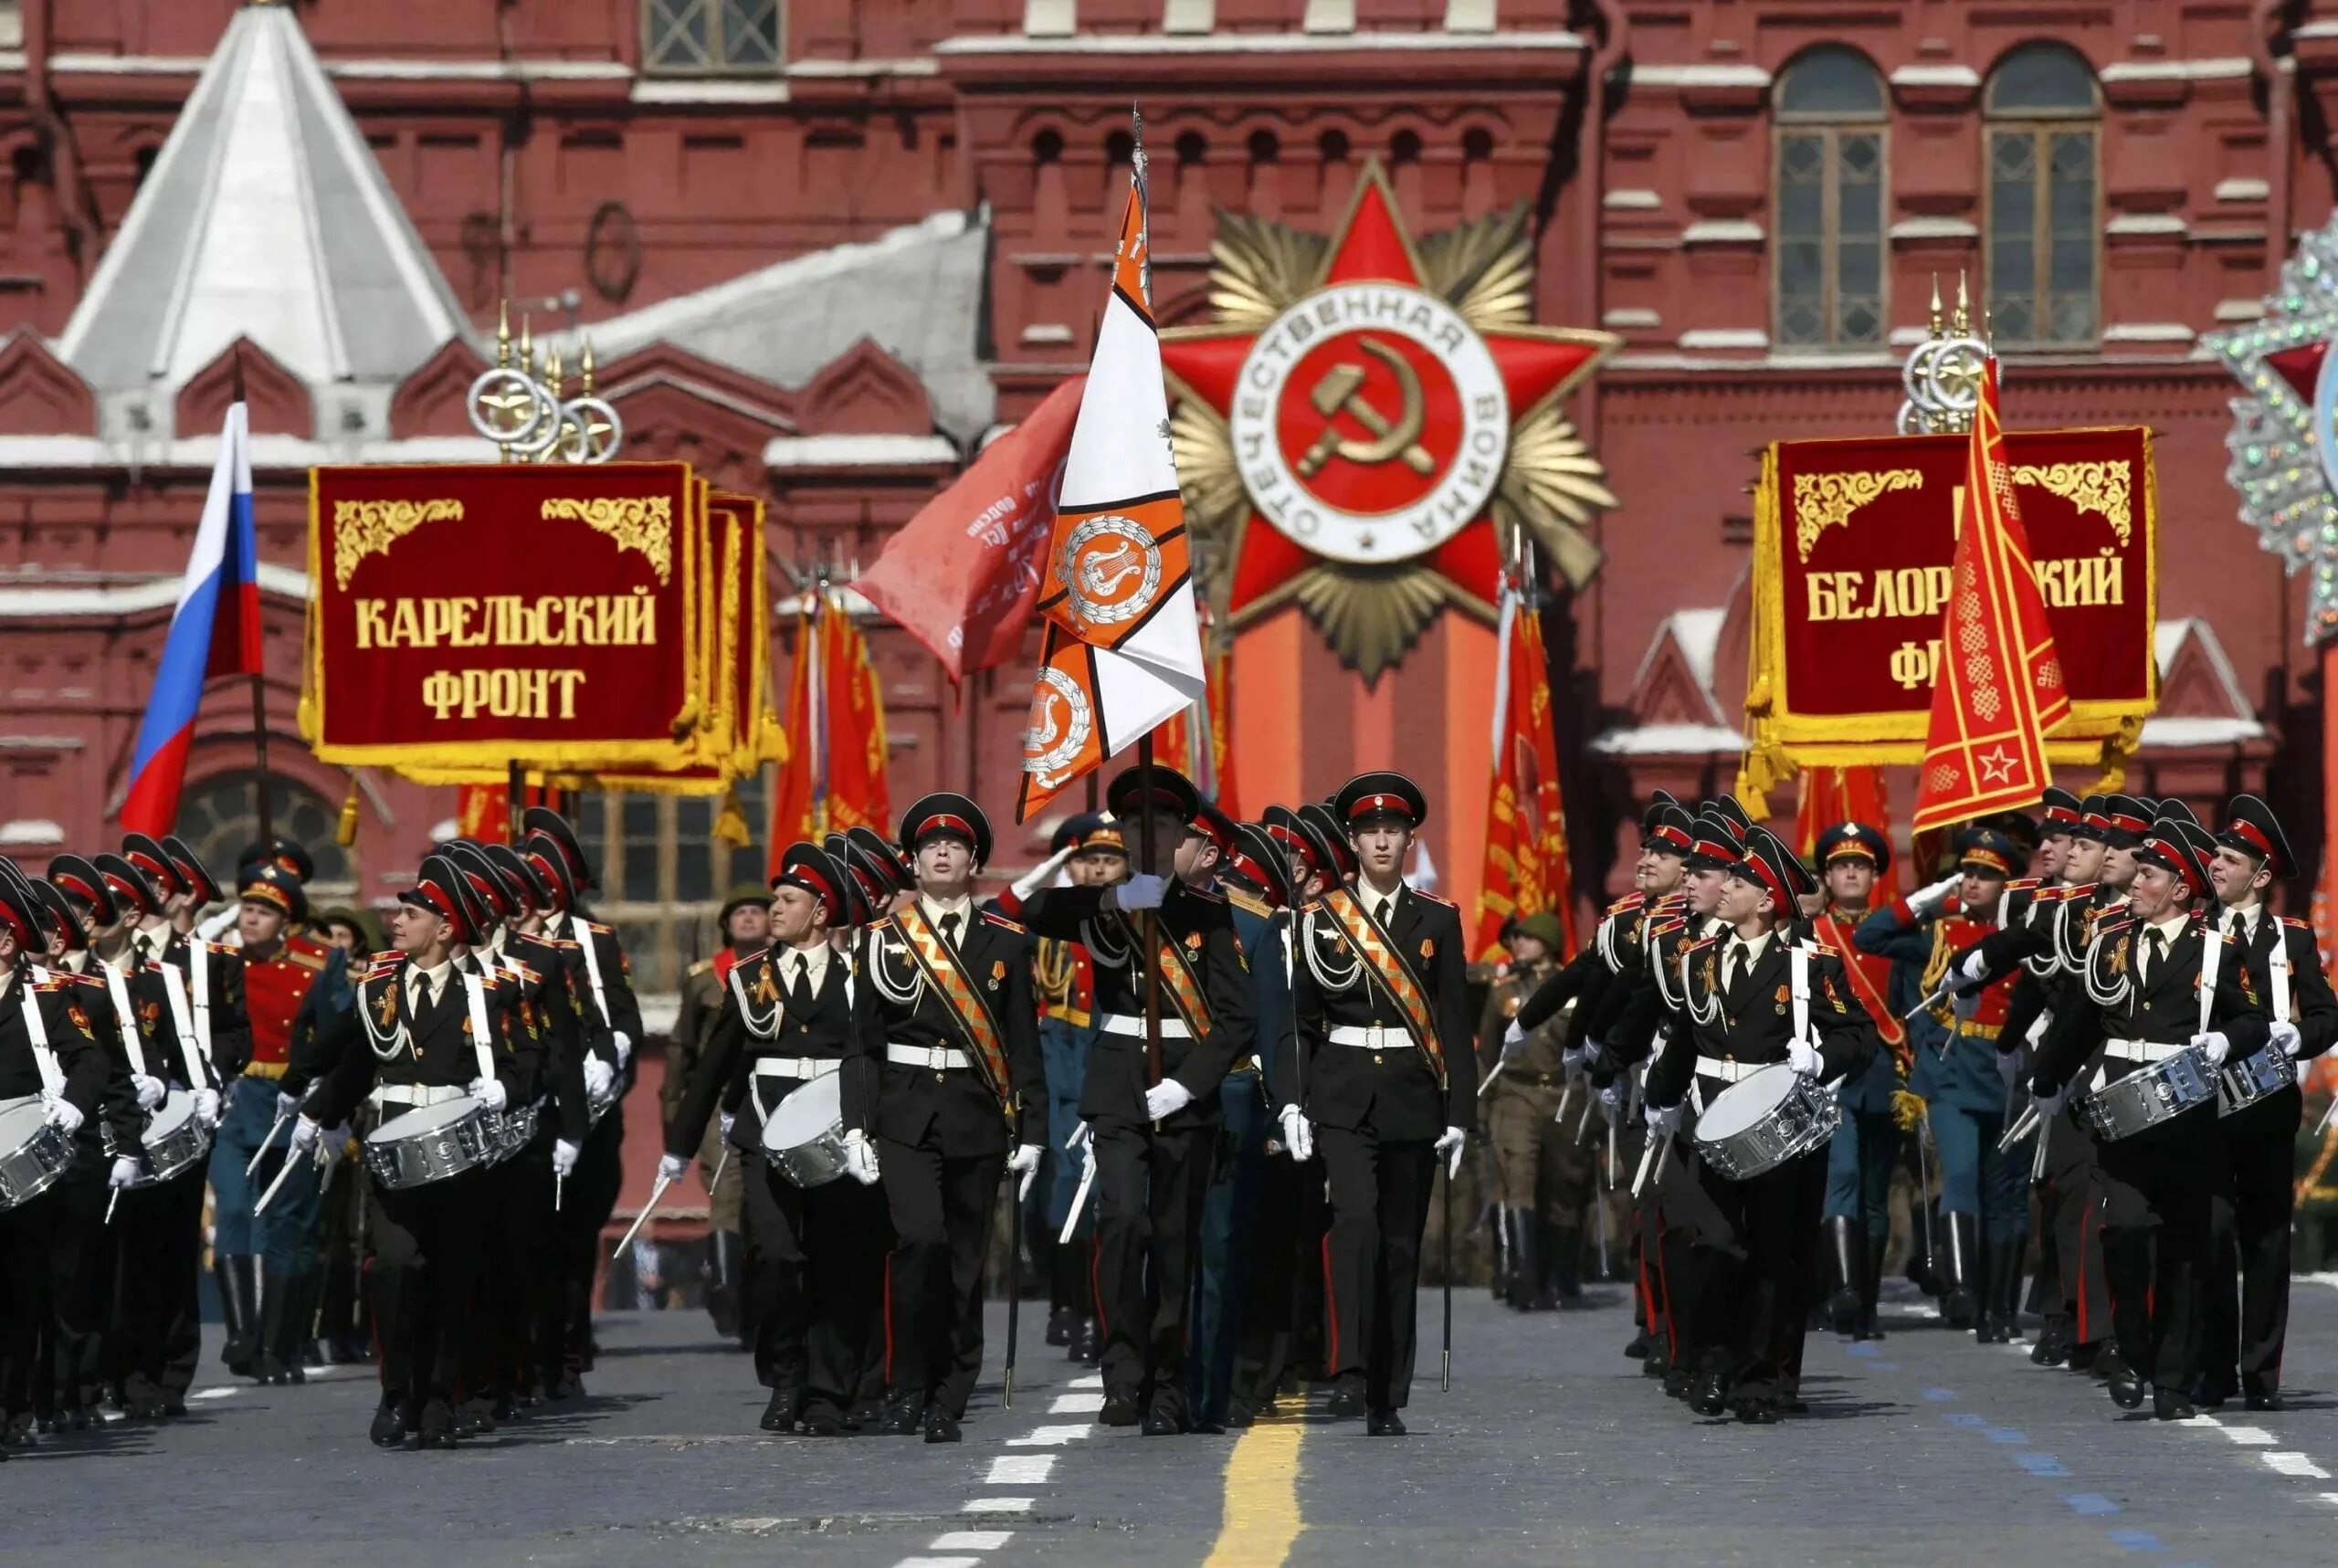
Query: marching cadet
(2158,985)
(1154,1121)
(1754,998)
(1866,1148)
(1389,1088)
(1983,1195)
(816,1255)
(744,925)
(260,1259)
(431,1040)
(2249,1215)
(48,1050)
(1543,1176)
(944,1075)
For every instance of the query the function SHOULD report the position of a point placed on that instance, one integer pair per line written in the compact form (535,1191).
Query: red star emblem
(1376,429)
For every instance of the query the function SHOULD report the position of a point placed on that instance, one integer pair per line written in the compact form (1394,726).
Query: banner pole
(259,750)
(515,786)
(1151,923)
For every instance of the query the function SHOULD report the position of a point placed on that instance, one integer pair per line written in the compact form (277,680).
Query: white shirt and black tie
(949,916)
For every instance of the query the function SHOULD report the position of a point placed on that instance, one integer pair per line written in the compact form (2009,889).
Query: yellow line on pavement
(1262,1496)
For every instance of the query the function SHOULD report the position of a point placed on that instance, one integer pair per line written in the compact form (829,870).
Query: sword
(1648,1152)
(1924,1184)
(1086,1146)
(1935,1000)
(648,1209)
(1015,1275)
(1599,1210)
(282,1118)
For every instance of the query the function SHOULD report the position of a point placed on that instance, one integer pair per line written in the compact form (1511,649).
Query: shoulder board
(1244,899)
(57,980)
(2112,928)
(2294,923)
(1213,895)
(1433,899)
(597,928)
(2222,936)
(305,960)
(1824,950)
(703,966)
(1665,927)
(1623,906)
(2079,891)
(559,943)
(1701,942)
(2024,885)
(992,916)
(527,974)
(393,956)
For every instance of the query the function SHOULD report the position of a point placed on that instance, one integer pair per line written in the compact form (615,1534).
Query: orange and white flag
(1123,650)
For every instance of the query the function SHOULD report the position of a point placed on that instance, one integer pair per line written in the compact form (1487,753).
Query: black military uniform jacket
(73,1040)
(1202,925)
(118,1122)
(2312,1007)
(773,1024)
(1753,1022)
(1653,996)
(432,1047)
(538,1021)
(891,1005)
(2165,1010)
(231,1030)
(616,987)
(1391,1090)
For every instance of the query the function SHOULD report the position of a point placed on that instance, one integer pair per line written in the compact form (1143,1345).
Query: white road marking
(972,1540)
(1021,1470)
(938,1562)
(220,1393)
(1077,1405)
(999,1505)
(2296,1464)
(1050,1437)
(1093,1380)
(2250,1436)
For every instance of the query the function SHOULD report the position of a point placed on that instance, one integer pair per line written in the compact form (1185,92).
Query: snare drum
(2152,1095)
(1760,1122)
(597,1106)
(431,1143)
(2242,1084)
(513,1130)
(33,1154)
(173,1140)
(804,1134)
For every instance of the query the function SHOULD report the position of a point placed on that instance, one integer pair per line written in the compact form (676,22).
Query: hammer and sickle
(1341,391)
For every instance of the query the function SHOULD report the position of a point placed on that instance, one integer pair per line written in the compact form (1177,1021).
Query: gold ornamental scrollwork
(2105,489)
(637,523)
(364,528)
(1822,502)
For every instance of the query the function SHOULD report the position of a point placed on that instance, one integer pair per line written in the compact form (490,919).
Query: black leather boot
(1847,1247)
(289,1343)
(1871,1290)
(1562,1268)
(723,1281)
(275,1314)
(2004,1290)
(239,1305)
(1525,1258)
(1960,1270)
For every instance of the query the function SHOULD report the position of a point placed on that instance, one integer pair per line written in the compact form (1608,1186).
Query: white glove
(2287,1038)
(671,1166)
(304,1133)
(1043,874)
(564,1156)
(730,1120)
(624,1043)
(1611,1101)
(206,1107)
(63,1115)
(1142,890)
(150,1090)
(2214,1045)
(1450,1146)
(860,1157)
(1081,1136)
(1803,1058)
(286,1106)
(1026,1159)
(124,1172)
(1572,1060)
(1924,900)
(1166,1099)
(1296,1135)
(1662,1121)
(2009,1069)
(332,1139)
(490,1092)
(1965,1005)
(1973,966)
(2049,1106)
(599,1077)
(1512,1035)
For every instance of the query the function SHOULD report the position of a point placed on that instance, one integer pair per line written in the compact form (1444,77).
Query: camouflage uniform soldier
(745,926)
(1543,1174)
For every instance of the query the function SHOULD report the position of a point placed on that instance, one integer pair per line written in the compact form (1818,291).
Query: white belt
(414,1096)
(937,1057)
(1372,1036)
(1130,1025)
(1728,1072)
(2142,1050)
(805,1067)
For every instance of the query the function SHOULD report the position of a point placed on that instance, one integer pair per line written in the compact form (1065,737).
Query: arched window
(218,821)
(2044,148)
(1830,195)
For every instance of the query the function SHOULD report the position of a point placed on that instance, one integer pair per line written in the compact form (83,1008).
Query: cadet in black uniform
(1751,999)
(1382,1048)
(1154,1135)
(2147,999)
(423,1017)
(2245,1309)
(815,1256)
(944,1074)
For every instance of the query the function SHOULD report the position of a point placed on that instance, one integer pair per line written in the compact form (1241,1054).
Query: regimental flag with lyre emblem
(1124,650)
(1999,689)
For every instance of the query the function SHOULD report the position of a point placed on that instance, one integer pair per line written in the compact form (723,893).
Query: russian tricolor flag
(213,631)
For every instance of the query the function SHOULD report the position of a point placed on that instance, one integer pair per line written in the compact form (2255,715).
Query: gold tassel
(346,834)
(731,821)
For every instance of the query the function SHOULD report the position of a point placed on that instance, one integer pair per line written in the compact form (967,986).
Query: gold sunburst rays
(1553,487)
(1260,268)
(1370,614)
(1484,269)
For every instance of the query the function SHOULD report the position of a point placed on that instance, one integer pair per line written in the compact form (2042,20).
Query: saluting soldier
(743,926)
(2157,983)
(944,1076)
(1544,1175)
(2244,1307)
(1751,999)
(431,1038)
(1389,1088)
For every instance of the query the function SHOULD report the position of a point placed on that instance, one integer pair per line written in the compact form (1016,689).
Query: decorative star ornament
(2284,438)
(1373,427)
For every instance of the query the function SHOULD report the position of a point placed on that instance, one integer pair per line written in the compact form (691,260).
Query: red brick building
(824,246)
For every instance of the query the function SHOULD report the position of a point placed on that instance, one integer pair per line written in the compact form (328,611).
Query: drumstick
(1933,1000)
(1078,1199)
(282,1172)
(2023,1125)
(559,1181)
(1489,1081)
(720,1161)
(1648,1152)
(282,1118)
(1566,1094)
(648,1209)
(111,1202)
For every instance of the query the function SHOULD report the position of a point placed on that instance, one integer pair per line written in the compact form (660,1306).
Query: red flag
(1831,796)
(1998,686)
(1526,869)
(835,776)
(961,577)
(483,812)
